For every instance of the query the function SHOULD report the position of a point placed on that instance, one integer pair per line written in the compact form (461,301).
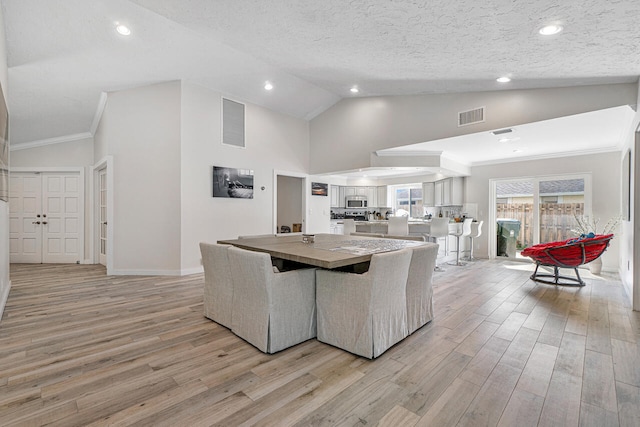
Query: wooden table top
(328,250)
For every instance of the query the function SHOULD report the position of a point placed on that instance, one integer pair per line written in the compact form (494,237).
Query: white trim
(3,298)
(102,103)
(610,149)
(491,226)
(50,141)
(146,273)
(305,199)
(105,162)
(81,194)
(30,169)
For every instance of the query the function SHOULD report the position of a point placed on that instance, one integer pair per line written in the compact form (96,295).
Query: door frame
(492,226)
(305,200)
(80,171)
(94,251)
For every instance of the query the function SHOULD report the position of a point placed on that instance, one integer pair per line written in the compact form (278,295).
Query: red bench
(570,253)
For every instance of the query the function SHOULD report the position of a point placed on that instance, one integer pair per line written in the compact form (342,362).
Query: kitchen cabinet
(449,192)
(376,196)
(336,201)
(372,197)
(362,191)
(382,196)
(336,228)
(438,192)
(428,194)
(349,191)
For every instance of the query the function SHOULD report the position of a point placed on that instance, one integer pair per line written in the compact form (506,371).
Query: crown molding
(102,103)
(611,149)
(50,141)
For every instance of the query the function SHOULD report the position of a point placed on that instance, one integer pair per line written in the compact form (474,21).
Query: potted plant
(588,227)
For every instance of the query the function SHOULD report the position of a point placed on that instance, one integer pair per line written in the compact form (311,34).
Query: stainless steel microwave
(356,202)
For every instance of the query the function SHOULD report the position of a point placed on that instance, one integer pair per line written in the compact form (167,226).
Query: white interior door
(25,218)
(61,218)
(46,223)
(102,215)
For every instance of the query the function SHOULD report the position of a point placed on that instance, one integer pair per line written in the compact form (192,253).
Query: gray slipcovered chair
(218,285)
(416,238)
(365,314)
(398,226)
(271,310)
(419,286)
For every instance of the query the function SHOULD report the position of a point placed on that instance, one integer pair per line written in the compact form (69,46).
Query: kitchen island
(416,227)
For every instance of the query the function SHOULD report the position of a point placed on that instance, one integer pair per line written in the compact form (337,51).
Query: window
(407,200)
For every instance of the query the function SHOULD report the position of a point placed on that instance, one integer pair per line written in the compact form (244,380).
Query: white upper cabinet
(336,201)
(382,196)
(449,192)
(428,194)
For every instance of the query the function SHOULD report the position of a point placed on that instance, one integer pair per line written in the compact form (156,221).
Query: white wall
(140,128)
(605,177)
(273,142)
(67,154)
(628,262)
(344,136)
(74,153)
(5,284)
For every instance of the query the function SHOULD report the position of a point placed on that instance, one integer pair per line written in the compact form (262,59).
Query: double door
(46,217)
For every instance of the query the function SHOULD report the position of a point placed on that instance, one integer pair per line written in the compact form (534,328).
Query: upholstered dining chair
(272,311)
(364,314)
(218,285)
(398,226)
(419,286)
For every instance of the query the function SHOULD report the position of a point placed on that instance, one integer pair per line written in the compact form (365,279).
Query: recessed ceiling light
(503,79)
(123,29)
(517,151)
(549,30)
(268,86)
(354,89)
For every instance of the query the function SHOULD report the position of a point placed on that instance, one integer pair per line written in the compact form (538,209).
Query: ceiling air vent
(502,131)
(470,117)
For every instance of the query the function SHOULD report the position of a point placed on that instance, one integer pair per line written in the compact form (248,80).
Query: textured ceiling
(63,53)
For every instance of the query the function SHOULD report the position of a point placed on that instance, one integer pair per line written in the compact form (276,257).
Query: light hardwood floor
(80,348)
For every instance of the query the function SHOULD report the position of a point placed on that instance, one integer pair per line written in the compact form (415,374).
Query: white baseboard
(4,297)
(183,272)
(195,270)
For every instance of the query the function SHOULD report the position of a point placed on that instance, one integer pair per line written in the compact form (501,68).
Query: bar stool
(349,226)
(439,229)
(476,231)
(465,231)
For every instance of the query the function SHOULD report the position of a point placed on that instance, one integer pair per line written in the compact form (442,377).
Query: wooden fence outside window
(556,220)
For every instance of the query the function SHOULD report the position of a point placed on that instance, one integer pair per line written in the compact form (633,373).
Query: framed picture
(232,183)
(319,189)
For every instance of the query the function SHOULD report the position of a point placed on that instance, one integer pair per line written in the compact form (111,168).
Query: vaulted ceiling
(62,54)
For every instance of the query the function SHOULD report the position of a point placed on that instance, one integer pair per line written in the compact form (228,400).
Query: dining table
(328,251)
